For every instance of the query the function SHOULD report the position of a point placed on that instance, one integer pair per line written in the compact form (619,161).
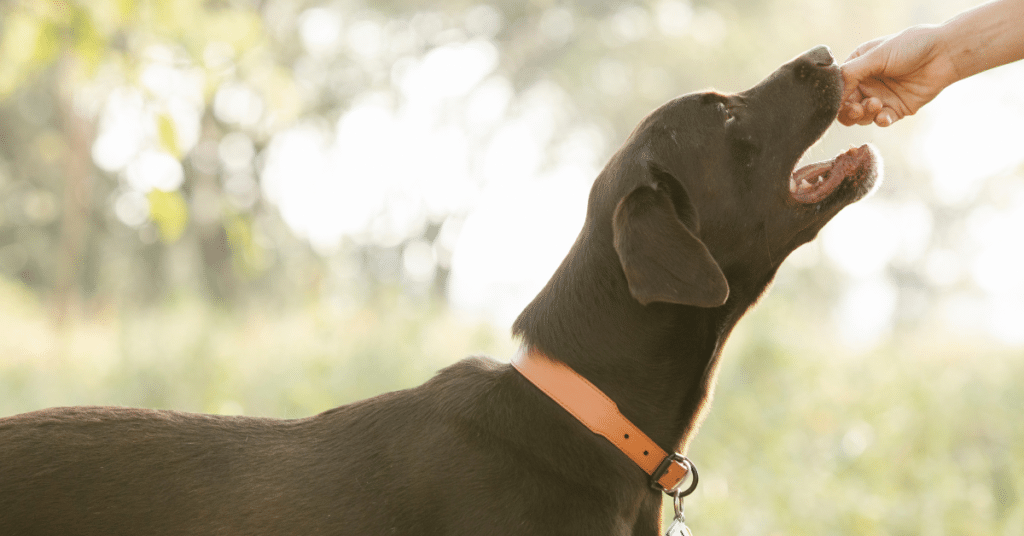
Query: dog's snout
(820,56)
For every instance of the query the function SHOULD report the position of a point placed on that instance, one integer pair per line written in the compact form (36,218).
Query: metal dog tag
(678,528)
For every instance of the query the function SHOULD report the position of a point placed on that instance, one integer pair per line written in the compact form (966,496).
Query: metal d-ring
(691,470)
(677,496)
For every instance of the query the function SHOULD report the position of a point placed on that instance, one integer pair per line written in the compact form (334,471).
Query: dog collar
(601,415)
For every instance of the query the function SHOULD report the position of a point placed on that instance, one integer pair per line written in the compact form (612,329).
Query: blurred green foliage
(189,356)
(806,437)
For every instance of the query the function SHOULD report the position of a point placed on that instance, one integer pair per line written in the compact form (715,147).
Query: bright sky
(457,140)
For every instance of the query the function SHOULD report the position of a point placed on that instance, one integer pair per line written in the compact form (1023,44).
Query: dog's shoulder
(473,368)
(466,382)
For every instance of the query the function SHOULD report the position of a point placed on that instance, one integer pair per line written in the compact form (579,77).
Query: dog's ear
(663,260)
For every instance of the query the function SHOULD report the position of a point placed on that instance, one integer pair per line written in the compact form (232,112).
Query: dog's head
(704,198)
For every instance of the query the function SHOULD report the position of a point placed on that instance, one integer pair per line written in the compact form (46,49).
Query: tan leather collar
(601,415)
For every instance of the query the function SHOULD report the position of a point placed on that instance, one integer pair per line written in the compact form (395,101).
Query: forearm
(987,36)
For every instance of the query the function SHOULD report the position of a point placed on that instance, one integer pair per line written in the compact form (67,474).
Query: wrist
(982,38)
(950,49)
(959,48)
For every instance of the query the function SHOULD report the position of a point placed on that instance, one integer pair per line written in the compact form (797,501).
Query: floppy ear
(663,260)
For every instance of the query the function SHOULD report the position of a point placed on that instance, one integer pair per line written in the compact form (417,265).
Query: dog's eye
(728,112)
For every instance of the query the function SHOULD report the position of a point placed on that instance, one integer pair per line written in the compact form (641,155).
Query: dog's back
(109,471)
(100,470)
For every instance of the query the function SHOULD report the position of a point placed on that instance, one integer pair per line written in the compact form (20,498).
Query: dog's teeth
(804,186)
(821,179)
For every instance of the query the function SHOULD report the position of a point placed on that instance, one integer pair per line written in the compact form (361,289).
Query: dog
(686,226)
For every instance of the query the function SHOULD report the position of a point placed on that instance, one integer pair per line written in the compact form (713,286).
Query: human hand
(892,77)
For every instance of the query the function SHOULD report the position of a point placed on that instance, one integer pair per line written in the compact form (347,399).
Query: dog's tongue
(813,183)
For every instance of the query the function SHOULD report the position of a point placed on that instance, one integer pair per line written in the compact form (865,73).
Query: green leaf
(170,213)
(88,43)
(168,134)
(248,255)
(20,39)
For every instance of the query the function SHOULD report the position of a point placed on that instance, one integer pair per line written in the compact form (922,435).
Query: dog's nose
(821,56)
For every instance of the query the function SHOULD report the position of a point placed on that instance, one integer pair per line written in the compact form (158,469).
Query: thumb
(862,64)
(857,70)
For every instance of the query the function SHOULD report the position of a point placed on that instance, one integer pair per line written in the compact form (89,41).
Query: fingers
(867,111)
(872,107)
(886,117)
(857,107)
(851,85)
(855,71)
(859,66)
(850,113)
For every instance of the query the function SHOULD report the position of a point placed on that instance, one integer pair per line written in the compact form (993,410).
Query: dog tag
(678,528)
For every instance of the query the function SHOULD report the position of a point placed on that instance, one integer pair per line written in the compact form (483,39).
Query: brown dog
(685,228)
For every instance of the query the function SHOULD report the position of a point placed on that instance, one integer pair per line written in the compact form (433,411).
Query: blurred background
(273,207)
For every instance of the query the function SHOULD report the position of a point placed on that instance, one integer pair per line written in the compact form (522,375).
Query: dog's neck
(657,362)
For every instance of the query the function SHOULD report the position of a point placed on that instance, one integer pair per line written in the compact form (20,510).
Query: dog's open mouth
(816,182)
